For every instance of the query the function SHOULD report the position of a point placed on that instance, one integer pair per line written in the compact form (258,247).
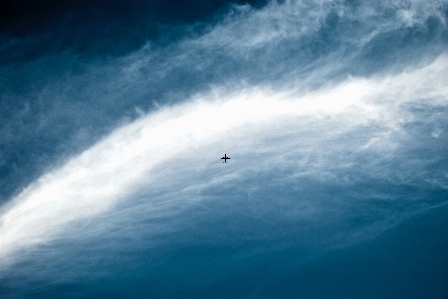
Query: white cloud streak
(115,167)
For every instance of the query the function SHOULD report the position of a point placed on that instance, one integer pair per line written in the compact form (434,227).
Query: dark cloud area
(104,28)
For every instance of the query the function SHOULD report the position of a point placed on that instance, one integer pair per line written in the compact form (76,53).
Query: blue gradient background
(298,212)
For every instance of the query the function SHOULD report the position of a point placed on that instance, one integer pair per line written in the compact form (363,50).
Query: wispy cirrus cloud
(111,170)
(333,112)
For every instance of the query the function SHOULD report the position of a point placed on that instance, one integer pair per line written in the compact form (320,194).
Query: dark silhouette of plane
(225,158)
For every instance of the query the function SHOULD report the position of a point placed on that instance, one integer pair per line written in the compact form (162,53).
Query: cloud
(333,112)
(75,100)
(111,170)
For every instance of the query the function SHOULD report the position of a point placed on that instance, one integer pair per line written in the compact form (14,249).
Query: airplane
(225,158)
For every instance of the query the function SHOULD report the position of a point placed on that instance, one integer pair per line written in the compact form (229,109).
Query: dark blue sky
(114,116)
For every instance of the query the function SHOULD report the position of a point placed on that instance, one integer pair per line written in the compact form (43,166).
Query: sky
(114,116)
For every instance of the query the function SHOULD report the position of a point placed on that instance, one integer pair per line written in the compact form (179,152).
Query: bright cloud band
(104,174)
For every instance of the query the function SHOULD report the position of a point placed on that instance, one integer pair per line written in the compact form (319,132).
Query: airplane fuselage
(225,158)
